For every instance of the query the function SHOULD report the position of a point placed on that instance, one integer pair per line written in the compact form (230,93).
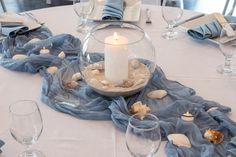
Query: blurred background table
(190,62)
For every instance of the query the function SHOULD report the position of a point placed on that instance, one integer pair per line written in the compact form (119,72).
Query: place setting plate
(131,12)
(198,22)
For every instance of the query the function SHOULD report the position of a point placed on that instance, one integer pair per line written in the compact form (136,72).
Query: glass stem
(170,28)
(227,64)
(28,151)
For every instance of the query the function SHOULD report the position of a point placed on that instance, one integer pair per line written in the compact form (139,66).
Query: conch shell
(138,107)
(214,136)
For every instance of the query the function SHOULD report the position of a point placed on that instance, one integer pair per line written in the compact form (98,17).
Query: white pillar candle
(116,58)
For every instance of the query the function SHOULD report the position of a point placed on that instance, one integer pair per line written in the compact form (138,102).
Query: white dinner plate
(131,12)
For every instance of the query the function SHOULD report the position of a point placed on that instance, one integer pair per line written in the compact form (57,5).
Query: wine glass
(172,11)
(143,135)
(227,46)
(83,8)
(26,125)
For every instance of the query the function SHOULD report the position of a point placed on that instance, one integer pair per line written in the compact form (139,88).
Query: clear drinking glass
(83,8)
(26,125)
(227,46)
(143,135)
(172,11)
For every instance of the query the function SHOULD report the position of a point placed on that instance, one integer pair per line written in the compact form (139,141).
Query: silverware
(31,16)
(189,19)
(148,16)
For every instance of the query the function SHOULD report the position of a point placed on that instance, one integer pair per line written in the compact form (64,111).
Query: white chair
(227,5)
(3,5)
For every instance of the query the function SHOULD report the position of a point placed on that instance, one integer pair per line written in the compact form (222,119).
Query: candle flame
(115,36)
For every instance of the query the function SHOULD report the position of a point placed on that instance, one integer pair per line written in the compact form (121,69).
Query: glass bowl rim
(117,23)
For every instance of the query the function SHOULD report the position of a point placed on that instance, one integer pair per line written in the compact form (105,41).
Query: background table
(190,62)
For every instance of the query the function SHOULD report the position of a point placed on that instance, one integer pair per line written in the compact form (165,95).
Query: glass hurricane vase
(117,59)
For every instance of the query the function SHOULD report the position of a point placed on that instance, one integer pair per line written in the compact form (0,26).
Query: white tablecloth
(185,60)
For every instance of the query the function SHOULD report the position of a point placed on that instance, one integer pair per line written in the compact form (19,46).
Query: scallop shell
(105,82)
(214,136)
(62,55)
(19,57)
(34,40)
(179,140)
(157,94)
(139,107)
(135,63)
(72,84)
(98,66)
(76,77)
(187,117)
(127,84)
(52,69)
(95,72)
(212,109)
(139,81)
(94,81)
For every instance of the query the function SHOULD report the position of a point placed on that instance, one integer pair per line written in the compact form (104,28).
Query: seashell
(52,69)
(138,107)
(187,117)
(212,109)
(76,77)
(19,57)
(34,40)
(139,81)
(213,136)
(105,82)
(126,84)
(95,72)
(94,81)
(62,55)
(135,63)
(98,66)
(179,140)
(44,51)
(72,84)
(105,87)
(157,94)
(142,76)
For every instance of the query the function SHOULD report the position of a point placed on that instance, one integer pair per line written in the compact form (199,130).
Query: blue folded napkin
(113,10)
(13,30)
(1,144)
(36,61)
(209,30)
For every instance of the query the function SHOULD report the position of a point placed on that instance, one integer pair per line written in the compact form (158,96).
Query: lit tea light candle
(187,117)
(44,51)
(116,58)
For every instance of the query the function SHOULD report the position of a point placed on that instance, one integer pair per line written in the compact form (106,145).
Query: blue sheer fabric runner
(113,10)
(209,30)
(21,45)
(83,102)
(1,144)
(231,147)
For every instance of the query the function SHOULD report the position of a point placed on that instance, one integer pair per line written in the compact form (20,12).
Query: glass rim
(118,23)
(157,122)
(20,101)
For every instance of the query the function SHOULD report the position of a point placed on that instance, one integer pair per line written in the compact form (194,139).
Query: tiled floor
(206,6)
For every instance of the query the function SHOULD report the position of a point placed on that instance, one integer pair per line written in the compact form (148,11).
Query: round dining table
(190,62)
